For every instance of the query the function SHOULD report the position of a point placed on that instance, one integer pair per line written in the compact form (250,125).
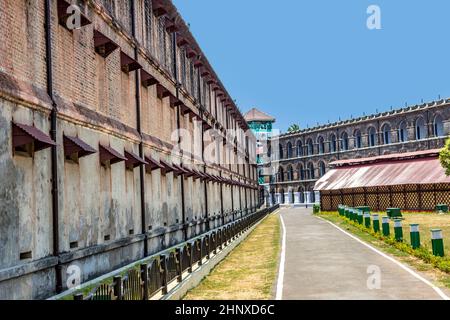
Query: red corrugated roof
(426,170)
(24,134)
(396,156)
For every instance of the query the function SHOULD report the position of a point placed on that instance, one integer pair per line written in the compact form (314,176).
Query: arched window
(372,137)
(289,150)
(421,129)
(299,148)
(344,141)
(280,153)
(333,143)
(311,171)
(290,173)
(281,174)
(322,168)
(438,126)
(321,143)
(310,147)
(402,132)
(358,139)
(301,172)
(386,134)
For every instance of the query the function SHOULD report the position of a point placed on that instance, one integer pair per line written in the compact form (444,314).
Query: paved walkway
(323,262)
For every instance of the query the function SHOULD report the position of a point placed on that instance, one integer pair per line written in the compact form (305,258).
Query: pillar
(307,196)
(297,198)
(278,198)
(286,198)
(317,196)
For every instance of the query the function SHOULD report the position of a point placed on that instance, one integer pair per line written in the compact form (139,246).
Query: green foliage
(316,208)
(444,157)
(293,128)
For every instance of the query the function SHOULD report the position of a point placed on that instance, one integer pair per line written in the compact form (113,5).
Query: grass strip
(249,272)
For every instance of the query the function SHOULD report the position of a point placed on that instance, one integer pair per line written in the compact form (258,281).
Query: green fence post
(367,220)
(360,217)
(437,242)
(376,222)
(398,230)
(385,226)
(415,236)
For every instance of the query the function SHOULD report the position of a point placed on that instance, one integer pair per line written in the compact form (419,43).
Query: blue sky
(313,61)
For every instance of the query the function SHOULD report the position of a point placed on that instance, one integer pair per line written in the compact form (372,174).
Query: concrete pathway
(322,262)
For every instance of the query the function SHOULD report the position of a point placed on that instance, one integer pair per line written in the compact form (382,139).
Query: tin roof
(133,160)
(24,134)
(396,156)
(76,145)
(389,171)
(109,154)
(152,164)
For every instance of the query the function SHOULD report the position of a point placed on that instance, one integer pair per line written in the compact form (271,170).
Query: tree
(293,128)
(444,157)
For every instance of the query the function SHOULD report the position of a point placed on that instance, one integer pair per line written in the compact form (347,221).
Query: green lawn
(249,272)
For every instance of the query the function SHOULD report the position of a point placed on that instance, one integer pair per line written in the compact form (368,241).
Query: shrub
(316,208)
(444,157)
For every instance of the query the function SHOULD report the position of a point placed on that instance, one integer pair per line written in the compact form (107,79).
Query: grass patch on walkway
(249,272)
(421,260)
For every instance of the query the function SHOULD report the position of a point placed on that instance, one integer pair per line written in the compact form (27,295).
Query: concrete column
(411,132)
(296,197)
(278,198)
(317,195)
(308,197)
(286,198)
(394,135)
(446,124)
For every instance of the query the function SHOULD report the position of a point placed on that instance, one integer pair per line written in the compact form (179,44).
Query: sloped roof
(383,158)
(257,115)
(390,171)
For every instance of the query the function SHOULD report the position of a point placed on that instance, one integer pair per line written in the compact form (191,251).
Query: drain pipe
(220,166)
(203,148)
(54,156)
(139,130)
(175,70)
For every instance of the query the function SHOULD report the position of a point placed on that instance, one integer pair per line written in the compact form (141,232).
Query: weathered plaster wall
(100,214)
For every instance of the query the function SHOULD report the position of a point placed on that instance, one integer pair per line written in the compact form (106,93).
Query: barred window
(183,67)
(171,53)
(110,6)
(162,41)
(192,78)
(196,88)
(205,95)
(124,13)
(148,22)
(202,91)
